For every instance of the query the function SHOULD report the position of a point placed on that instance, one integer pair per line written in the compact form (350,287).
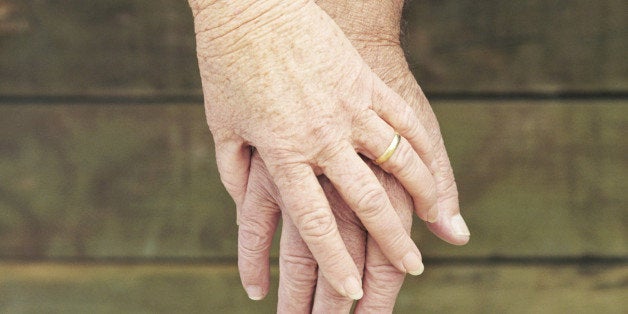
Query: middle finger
(359,187)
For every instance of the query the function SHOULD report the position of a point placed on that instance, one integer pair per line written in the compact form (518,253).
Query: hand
(283,78)
(301,288)
(382,51)
(373,27)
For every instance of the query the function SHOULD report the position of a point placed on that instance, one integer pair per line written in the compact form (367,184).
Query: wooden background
(110,200)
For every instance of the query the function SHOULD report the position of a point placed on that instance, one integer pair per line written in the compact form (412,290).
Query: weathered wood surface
(541,178)
(50,288)
(76,46)
(147,46)
(536,179)
(498,45)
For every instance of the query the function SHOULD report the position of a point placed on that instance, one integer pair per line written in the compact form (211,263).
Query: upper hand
(290,83)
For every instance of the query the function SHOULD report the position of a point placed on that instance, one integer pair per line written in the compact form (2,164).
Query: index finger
(307,207)
(359,187)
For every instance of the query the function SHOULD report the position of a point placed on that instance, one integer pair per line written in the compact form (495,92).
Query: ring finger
(359,187)
(404,163)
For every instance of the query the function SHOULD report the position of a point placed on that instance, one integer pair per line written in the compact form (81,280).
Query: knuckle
(385,274)
(291,174)
(331,301)
(329,150)
(402,160)
(448,190)
(302,269)
(252,242)
(425,189)
(395,241)
(409,123)
(280,158)
(379,303)
(335,300)
(372,201)
(316,225)
(298,261)
(430,193)
(363,117)
(384,284)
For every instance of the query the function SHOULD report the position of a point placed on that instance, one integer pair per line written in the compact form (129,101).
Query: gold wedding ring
(389,151)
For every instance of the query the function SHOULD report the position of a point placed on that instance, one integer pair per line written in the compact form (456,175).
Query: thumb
(259,216)
(233,158)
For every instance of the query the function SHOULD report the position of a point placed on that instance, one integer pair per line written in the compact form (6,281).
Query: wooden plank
(111,180)
(118,46)
(516,289)
(536,179)
(497,45)
(144,46)
(51,288)
(544,178)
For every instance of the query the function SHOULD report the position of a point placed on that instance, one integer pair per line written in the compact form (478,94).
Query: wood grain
(133,187)
(147,47)
(87,181)
(496,45)
(58,288)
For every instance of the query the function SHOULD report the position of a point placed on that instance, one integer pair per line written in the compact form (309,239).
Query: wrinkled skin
(282,77)
(302,287)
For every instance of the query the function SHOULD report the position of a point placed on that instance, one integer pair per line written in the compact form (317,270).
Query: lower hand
(302,288)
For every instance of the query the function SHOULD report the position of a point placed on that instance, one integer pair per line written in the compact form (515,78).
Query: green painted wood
(50,288)
(496,45)
(135,289)
(111,180)
(512,289)
(536,179)
(145,46)
(97,47)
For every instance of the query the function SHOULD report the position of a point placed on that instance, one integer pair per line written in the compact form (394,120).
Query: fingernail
(432,214)
(459,226)
(412,263)
(353,289)
(255,292)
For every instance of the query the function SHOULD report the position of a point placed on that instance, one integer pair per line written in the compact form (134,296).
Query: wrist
(374,29)
(223,24)
(367,20)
